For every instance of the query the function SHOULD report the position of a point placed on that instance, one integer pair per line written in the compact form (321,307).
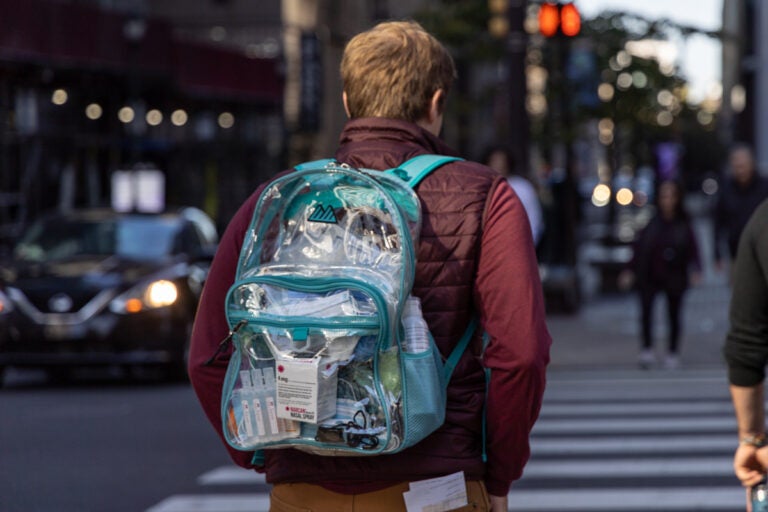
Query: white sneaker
(646,359)
(671,362)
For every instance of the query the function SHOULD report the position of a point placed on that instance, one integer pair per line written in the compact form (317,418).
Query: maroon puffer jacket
(475,255)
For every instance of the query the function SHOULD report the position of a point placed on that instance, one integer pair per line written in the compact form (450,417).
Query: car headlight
(5,304)
(157,294)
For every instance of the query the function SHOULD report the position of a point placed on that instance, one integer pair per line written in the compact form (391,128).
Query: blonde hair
(393,70)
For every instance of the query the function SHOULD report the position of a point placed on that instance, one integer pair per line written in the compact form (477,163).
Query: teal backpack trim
(458,350)
(453,359)
(486,339)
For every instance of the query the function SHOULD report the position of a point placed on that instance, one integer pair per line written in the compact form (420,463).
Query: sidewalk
(605,332)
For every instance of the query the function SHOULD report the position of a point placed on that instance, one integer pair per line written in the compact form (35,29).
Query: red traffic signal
(557,18)
(549,19)
(570,20)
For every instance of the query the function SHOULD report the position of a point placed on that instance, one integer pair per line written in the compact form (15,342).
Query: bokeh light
(59,97)
(154,117)
(624,196)
(93,111)
(226,120)
(601,195)
(179,117)
(126,115)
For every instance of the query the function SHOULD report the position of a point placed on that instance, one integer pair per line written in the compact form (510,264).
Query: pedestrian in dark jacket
(665,254)
(741,192)
(746,348)
(475,257)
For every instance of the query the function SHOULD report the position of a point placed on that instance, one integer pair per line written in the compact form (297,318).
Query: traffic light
(559,19)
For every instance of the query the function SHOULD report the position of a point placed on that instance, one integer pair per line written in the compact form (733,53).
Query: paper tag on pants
(437,494)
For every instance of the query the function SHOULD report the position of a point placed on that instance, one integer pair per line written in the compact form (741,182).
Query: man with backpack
(475,259)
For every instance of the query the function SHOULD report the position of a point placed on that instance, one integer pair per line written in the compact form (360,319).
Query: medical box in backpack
(331,352)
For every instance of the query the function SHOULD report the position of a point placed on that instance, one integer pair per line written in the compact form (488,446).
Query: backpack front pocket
(310,359)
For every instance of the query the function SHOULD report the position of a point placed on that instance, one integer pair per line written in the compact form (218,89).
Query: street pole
(517,44)
(570,207)
(560,22)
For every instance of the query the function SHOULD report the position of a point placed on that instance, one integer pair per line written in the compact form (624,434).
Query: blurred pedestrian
(741,192)
(746,347)
(501,160)
(665,260)
(475,258)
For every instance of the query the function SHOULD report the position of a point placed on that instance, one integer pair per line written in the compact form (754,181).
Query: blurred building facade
(744,111)
(87,88)
(217,94)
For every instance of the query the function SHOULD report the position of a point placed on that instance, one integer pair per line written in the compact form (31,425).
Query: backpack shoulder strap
(459,349)
(418,167)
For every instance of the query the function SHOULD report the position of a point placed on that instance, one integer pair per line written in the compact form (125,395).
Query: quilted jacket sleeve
(510,297)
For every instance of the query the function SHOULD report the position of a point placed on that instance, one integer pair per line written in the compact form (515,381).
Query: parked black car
(97,287)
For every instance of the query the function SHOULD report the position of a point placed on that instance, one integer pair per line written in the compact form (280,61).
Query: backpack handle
(412,171)
(314,164)
(418,167)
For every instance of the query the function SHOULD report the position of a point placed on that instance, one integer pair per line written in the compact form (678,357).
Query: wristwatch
(758,441)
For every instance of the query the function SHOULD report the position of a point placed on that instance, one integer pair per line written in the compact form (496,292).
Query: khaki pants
(313,498)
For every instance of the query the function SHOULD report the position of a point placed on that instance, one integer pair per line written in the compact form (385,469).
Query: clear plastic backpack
(331,352)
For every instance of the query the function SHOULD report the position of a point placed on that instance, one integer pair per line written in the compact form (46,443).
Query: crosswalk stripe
(615,426)
(633,387)
(632,444)
(254,502)
(655,467)
(613,391)
(635,409)
(660,378)
(230,475)
(629,499)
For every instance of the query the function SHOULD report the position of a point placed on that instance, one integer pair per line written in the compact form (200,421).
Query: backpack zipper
(223,343)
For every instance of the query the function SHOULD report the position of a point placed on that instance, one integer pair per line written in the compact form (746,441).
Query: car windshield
(130,237)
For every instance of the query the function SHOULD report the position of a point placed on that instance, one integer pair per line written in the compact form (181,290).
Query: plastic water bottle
(758,496)
(416,330)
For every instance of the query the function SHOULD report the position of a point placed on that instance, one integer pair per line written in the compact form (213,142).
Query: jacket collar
(380,143)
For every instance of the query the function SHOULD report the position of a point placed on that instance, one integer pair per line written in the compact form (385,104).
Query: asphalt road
(99,444)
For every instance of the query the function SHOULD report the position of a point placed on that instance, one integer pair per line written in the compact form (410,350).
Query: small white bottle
(758,496)
(416,330)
